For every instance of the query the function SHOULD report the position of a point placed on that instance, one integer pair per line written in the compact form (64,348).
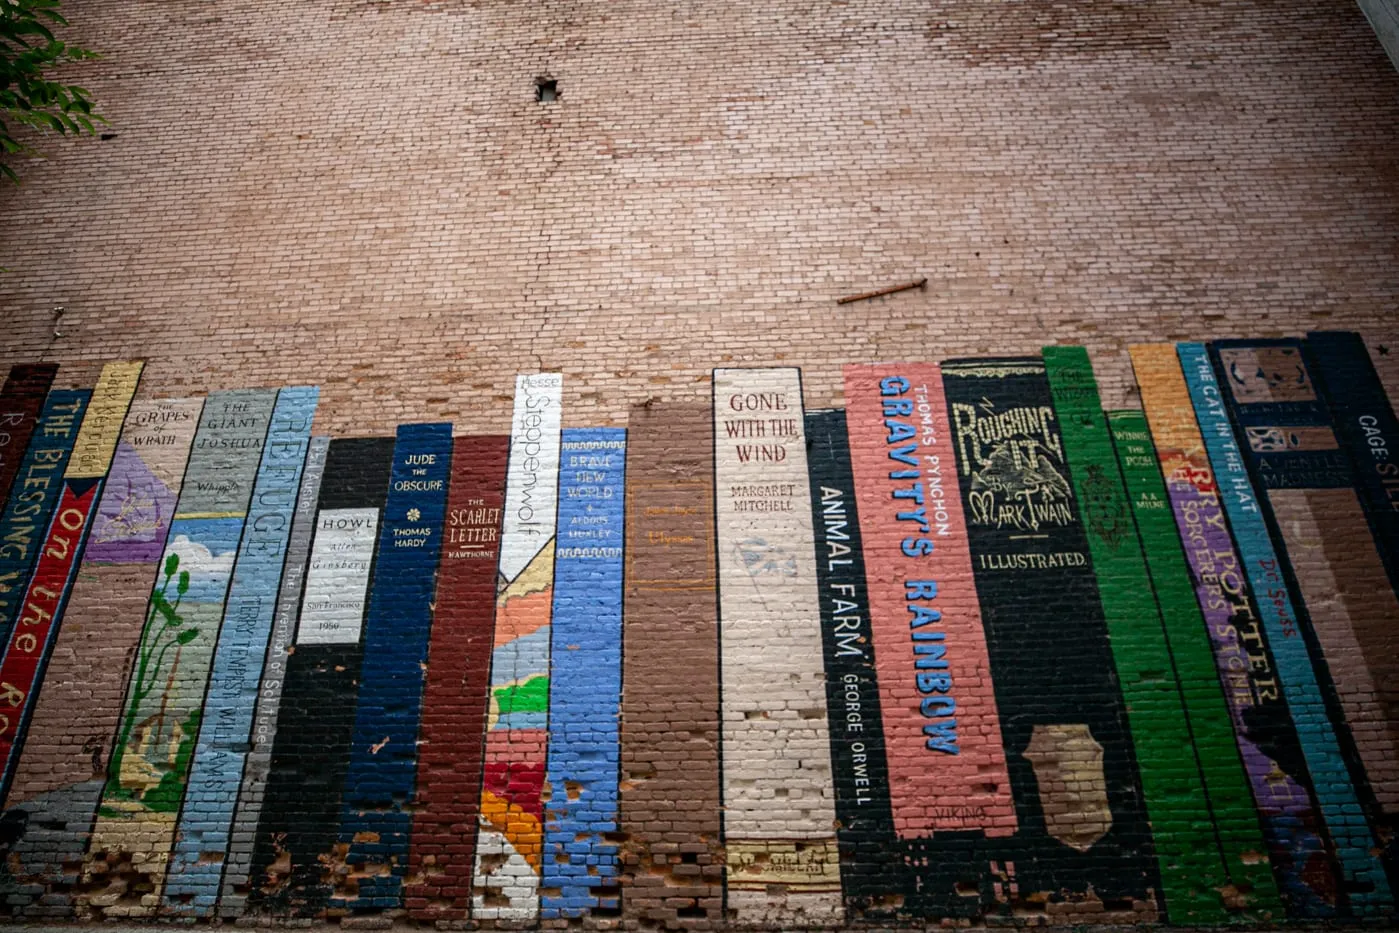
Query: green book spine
(1194,877)
(1235,816)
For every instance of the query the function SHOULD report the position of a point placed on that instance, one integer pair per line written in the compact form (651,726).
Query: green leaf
(187,636)
(183,586)
(172,563)
(29,48)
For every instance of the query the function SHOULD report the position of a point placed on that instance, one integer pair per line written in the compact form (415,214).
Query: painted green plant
(166,796)
(164,630)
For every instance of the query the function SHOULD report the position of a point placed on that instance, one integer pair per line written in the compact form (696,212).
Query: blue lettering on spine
(929,651)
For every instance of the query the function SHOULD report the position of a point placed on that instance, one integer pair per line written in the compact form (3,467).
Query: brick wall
(1163,692)
(745,665)
(292,185)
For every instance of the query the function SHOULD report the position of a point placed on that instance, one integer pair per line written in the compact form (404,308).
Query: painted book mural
(155,741)
(1265,732)
(58,782)
(966,649)
(41,610)
(1210,726)
(1190,857)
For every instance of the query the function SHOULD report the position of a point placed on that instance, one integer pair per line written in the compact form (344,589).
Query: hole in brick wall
(692,910)
(689,858)
(609,901)
(546,90)
(491,862)
(1122,903)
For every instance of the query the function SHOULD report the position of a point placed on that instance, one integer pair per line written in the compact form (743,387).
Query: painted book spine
(301,806)
(443,853)
(21,399)
(377,820)
(672,869)
(510,843)
(872,874)
(233,895)
(37,488)
(922,594)
(779,800)
(580,860)
(1073,766)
